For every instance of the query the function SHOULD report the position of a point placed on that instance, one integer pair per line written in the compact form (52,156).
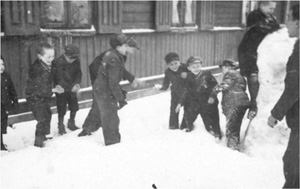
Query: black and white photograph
(174,94)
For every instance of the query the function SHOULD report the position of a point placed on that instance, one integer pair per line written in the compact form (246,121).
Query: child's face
(47,57)
(69,60)
(122,49)
(292,26)
(130,50)
(195,68)
(268,8)
(174,65)
(225,69)
(2,68)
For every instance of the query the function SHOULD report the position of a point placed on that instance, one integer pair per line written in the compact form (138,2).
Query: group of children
(193,88)
(196,90)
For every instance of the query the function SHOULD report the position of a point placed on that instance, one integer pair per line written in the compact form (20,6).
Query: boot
(71,125)
(61,129)
(39,141)
(3,146)
(84,132)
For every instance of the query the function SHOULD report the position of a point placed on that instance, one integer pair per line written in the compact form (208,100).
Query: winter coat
(111,71)
(94,66)
(9,96)
(198,89)
(258,26)
(175,79)
(288,104)
(233,87)
(66,74)
(39,83)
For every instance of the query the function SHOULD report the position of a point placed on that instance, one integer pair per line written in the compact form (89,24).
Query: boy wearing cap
(174,75)
(67,74)
(260,23)
(199,84)
(235,101)
(108,96)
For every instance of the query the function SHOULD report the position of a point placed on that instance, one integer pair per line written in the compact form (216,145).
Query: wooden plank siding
(138,14)
(211,46)
(228,13)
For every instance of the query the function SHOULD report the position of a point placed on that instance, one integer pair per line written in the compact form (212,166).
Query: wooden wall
(138,14)
(212,46)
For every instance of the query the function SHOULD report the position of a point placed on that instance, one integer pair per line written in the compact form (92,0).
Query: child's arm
(166,82)
(225,85)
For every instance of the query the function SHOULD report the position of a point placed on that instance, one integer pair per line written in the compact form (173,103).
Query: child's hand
(211,100)
(76,88)
(138,83)
(183,75)
(58,89)
(158,87)
(177,109)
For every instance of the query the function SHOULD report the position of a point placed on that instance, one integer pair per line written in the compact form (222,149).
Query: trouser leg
(210,117)
(291,161)
(110,120)
(253,86)
(234,120)
(173,121)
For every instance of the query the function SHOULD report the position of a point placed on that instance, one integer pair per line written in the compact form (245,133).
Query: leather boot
(71,125)
(61,129)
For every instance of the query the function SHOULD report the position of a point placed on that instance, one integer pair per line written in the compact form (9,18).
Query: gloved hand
(122,104)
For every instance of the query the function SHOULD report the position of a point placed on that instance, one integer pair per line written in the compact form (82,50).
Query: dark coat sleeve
(166,82)
(290,94)
(12,91)
(114,69)
(128,76)
(78,72)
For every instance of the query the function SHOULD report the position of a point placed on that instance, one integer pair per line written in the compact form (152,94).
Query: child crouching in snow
(198,86)
(235,101)
(174,75)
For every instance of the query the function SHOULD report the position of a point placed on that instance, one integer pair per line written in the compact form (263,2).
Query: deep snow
(150,153)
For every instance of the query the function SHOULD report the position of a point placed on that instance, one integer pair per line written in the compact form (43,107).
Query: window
(183,13)
(66,14)
(228,13)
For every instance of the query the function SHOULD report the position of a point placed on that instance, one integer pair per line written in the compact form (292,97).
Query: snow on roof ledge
(227,28)
(138,31)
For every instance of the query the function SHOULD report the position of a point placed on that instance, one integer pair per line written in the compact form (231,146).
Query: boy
(288,105)
(260,22)
(93,122)
(174,75)
(235,101)
(199,85)
(9,99)
(39,91)
(67,74)
(107,92)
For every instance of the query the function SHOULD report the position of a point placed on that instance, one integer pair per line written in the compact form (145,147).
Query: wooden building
(209,29)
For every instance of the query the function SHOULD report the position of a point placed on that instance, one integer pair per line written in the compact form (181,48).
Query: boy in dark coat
(174,75)
(67,74)
(107,91)
(9,99)
(260,22)
(199,85)
(93,122)
(235,101)
(39,91)
(288,105)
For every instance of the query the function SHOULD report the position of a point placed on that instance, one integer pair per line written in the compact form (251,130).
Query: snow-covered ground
(149,153)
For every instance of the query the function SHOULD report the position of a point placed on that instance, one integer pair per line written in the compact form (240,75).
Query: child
(39,91)
(107,92)
(9,99)
(93,121)
(67,74)
(235,101)
(175,75)
(260,22)
(199,85)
